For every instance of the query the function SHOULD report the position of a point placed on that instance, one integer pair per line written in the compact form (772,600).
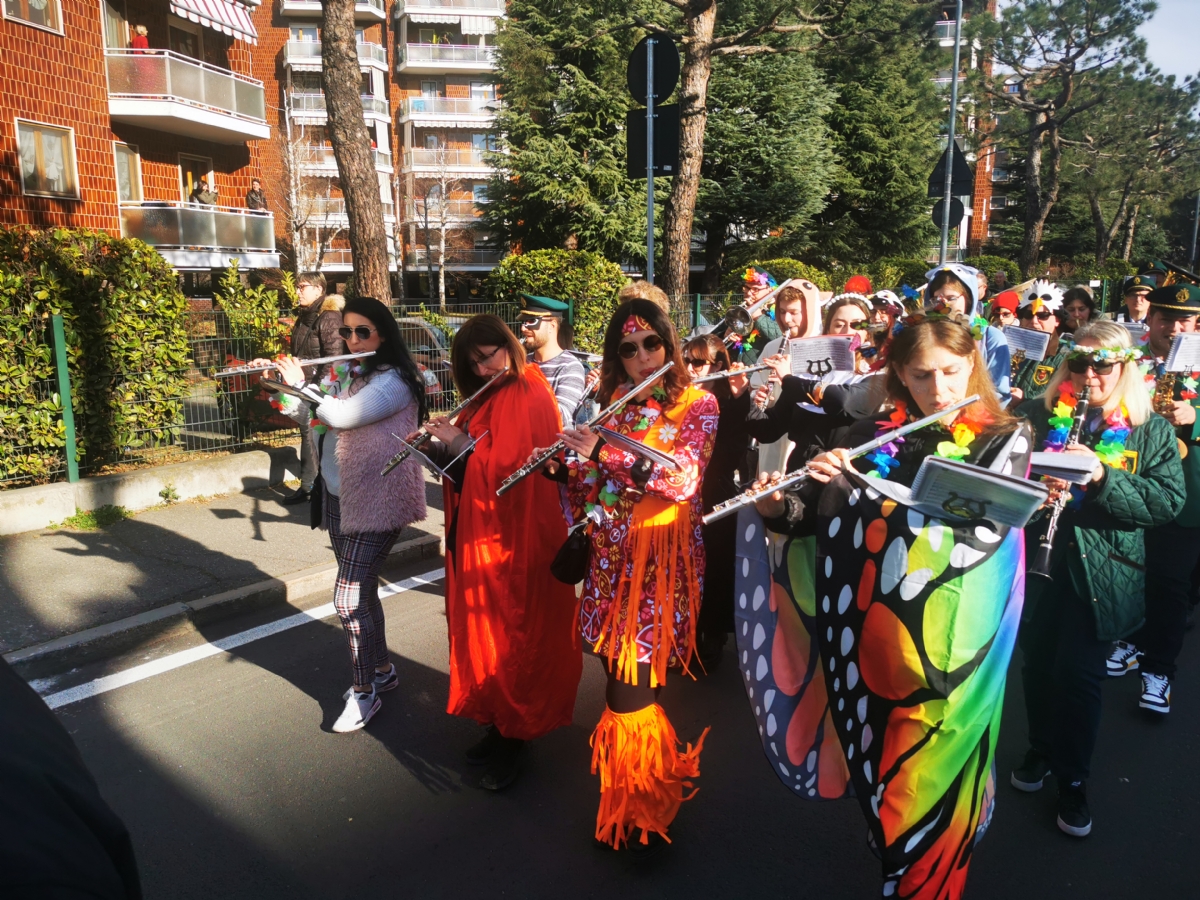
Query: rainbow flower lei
(1111,446)
(336,383)
(963,433)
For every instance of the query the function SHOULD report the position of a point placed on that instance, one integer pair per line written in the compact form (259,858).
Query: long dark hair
(392,349)
(712,348)
(484,330)
(612,370)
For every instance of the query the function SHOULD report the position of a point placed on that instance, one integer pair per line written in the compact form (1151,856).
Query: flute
(320,361)
(550,452)
(426,437)
(1042,558)
(729,373)
(791,479)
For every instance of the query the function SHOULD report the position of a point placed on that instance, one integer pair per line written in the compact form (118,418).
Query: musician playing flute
(1040,310)
(884,656)
(1098,566)
(645,576)
(515,656)
(1172,550)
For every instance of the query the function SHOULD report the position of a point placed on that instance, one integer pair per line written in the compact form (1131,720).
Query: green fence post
(695,311)
(64,392)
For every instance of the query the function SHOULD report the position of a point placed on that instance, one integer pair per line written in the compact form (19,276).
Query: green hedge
(587,278)
(127,350)
(781,269)
(990,264)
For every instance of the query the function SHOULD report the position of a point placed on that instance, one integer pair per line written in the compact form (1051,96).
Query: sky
(1172,37)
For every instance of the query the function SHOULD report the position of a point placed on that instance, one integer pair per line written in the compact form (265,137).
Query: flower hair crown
(977,325)
(1105,354)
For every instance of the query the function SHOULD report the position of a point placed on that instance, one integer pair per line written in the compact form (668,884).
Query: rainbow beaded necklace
(1111,446)
(962,433)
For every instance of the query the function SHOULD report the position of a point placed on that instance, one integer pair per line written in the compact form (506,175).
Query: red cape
(515,653)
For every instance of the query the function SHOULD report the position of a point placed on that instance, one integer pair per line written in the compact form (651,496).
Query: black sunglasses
(1081,364)
(364,332)
(693,361)
(1042,315)
(531,323)
(629,349)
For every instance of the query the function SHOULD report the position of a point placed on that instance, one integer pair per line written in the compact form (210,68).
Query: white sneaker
(1122,658)
(1156,693)
(358,711)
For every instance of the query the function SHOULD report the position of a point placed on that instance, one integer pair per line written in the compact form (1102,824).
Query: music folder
(629,445)
(947,489)
(428,463)
(1072,467)
(1185,353)
(817,357)
(1034,343)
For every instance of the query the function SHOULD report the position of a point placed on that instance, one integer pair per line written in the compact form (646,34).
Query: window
(429,89)
(42,13)
(129,173)
(483,141)
(426,36)
(304,34)
(116,29)
(191,170)
(479,193)
(999,174)
(431,142)
(47,160)
(482,90)
(185,42)
(999,202)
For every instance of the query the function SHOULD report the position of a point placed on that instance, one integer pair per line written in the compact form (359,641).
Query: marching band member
(515,657)
(645,574)
(544,334)
(1003,309)
(1137,288)
(363,402)
(1041,310)
(756,284)
(1098,564)
(915,620)
(1079,307)
(953,288)
(1172,550)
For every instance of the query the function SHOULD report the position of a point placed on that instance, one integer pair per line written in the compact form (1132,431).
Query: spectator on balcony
(202,195)
(255,198)
(140,42)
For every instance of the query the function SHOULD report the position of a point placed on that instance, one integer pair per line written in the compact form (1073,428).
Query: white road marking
(195,654)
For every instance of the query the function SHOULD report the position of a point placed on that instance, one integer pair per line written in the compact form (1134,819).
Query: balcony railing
(449,106)
(308,53)
(369,8)
(448,53)
(323,158)
(496,6)
(166,75)
(414,210)
(423,257)
(944,31)
(448,158)
(342,257)
(302,104)
(336,206)
(184,225)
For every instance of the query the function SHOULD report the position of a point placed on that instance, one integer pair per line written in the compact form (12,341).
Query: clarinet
(1041,561)
(550,452)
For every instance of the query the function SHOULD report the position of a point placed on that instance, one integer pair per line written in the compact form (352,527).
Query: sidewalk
(169,563)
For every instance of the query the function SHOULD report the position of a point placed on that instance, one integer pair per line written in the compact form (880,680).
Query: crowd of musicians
(874,641)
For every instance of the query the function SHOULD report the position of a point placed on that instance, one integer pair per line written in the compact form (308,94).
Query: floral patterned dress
(645,575)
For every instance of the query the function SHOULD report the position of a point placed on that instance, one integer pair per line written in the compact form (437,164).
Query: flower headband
(1105,354)
(758,277)
(635,323)
(976,325)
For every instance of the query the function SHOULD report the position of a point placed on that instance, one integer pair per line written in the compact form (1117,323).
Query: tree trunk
(714,256)
(700,19)
(1106,234)
(1043,166)
(341,78)
(1127,250)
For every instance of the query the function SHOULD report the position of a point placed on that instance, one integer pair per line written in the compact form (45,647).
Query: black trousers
(1062,674)
(716,605)
(1172,552)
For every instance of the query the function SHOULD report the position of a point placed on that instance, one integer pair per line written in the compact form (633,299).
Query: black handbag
(571,561)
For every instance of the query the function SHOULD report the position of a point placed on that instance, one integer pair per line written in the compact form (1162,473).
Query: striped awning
(430,18)
(220,15)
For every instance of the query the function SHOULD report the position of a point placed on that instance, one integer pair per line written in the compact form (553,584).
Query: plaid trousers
(356,591)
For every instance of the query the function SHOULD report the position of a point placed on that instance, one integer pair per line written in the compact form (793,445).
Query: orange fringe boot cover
(643,774)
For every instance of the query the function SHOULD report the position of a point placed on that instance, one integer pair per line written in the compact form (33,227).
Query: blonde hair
(644,290)
(1130,389)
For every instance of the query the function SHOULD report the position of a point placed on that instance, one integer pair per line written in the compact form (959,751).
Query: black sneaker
(295,499)
(481,751)
(655,844)
(710,649)
(504,766)
(1074,817)
(1031,774)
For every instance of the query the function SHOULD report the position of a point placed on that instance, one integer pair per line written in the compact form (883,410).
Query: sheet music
(1137,331)
(1185,353)
(1034,343)
(949,490)
(816,357)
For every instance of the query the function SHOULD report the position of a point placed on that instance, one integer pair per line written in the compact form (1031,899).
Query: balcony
(202,237)
(434,59)
(457,211)
(321,161)
(334,210)
(342,260)
(366,11)
(457,162)
(169,92)
(455,258)
(305,56)
(435,112)
(469,7)
(310,108)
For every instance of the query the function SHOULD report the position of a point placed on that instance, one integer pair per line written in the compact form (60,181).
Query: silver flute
(320,361)
(791,479)
(550,452)
(729,373)
(425,437)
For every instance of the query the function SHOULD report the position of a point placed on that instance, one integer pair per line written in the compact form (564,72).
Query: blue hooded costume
(993,344)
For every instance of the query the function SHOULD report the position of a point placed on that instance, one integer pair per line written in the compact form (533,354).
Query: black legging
(628,698)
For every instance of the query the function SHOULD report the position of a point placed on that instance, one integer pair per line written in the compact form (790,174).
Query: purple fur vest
(370,503)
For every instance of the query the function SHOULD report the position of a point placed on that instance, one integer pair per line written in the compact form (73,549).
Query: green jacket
(1102,543)
(768,330)
(1034,374)
(1189,449)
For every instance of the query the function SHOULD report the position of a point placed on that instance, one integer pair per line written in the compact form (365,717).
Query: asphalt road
(233,786)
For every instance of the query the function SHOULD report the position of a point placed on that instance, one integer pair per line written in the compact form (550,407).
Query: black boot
(505,765)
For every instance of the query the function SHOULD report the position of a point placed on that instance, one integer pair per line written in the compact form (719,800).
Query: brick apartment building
(103,129)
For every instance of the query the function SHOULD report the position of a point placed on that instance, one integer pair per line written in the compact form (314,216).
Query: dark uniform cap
(1154,267)
(1176,300)
(533,305)
(1140,282)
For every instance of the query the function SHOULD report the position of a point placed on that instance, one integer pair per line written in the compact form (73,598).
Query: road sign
(666,141)
(957,211)
(962,181)
(666,68)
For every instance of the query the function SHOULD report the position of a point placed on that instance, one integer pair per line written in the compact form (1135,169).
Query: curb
(178,619)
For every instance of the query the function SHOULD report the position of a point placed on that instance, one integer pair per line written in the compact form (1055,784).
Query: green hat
(1141,282)
(1177,300)
(533,305)
(1154,267)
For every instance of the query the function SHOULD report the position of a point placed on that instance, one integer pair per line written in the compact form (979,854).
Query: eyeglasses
(484,360)
(1081,364)
(362,332)
(693,361)
(531,323)
(629,349)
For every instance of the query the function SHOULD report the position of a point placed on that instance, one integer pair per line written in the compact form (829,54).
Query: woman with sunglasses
(363,402)
(641,595)
(1096,591)
(728,466)
(878,665)
(1041,310)
(515,657)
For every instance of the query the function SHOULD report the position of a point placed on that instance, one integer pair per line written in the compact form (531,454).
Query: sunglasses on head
(1081,364)
(697,362)
(362,332)
(629,349)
